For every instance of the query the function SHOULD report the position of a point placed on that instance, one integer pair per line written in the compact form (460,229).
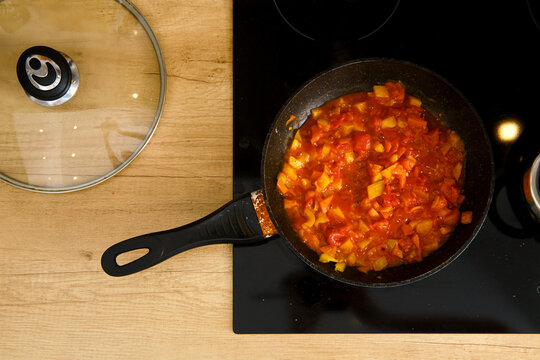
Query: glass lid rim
(159,110)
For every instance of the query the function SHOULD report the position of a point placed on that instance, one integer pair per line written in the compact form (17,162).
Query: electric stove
(488,52)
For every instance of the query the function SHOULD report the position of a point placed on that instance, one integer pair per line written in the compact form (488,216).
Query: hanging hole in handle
(130,256)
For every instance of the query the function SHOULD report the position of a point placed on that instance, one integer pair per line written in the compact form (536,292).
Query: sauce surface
(372,180)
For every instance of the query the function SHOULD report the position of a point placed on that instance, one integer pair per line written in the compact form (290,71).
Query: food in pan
(371,180)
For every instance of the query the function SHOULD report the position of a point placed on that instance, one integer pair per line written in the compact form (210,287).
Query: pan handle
(237,222)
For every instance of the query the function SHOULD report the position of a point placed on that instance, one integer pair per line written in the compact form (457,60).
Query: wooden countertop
(57,303)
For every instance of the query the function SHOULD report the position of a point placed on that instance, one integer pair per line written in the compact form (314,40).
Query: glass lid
(82,85)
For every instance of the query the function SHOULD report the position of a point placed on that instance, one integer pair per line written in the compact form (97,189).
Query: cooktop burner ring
(533,10)
(338,18)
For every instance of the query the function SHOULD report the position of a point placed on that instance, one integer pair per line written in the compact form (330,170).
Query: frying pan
(244,220)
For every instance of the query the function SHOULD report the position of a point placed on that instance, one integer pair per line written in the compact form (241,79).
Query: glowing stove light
(508,130)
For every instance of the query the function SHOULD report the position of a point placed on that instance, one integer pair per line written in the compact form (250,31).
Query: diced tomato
(344,145)
(416,122)
(387,146)
(381,226)
(452,218)
(316,134)
(362,142)
(396,91)
(451,192)
(390,198)
(336,235)
(432,137)
(336,121)
(376,123)
(408,163)
(407,229)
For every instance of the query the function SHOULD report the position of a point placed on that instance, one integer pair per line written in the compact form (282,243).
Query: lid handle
(49,77)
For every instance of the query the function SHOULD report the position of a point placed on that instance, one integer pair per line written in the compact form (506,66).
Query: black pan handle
(236,223)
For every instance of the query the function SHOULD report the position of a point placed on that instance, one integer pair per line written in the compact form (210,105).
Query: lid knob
(49,77)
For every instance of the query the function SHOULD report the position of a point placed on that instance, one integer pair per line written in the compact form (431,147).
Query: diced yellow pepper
(316,112)
(325,150)
(445,148)
(453,138)
(323,181)
(380,91)
(414,101)
(445,230)
(364,244)
(323,124)
(295,163)
(321,218)
(380,263)
(337,184)
(347,246)
(349,157)
(402,123)
(282,183)
(290,171)
(288,203)
(390,244)
(376,189)
(325,258)
(427,248)
(361,106)
(394,158)
(340,266)
(310,218)
(297,141)
(346,129)
(424,226)
(373,213)
(325,203)
(378,147)
(295,145)
(389,122)
(466,217)
(351,259)
(389,171)
(337,213)
(362,226)
(457,171)
(305,183)
(375,168)
(377,177)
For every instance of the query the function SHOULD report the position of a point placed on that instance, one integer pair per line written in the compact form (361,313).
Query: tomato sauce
(372,180)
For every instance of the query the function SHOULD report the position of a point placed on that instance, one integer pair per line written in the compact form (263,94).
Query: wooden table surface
(57,303)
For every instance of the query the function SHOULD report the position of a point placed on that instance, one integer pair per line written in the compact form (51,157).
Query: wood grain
(57,303)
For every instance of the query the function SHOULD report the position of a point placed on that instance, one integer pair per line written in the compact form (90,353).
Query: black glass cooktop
(490,53)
